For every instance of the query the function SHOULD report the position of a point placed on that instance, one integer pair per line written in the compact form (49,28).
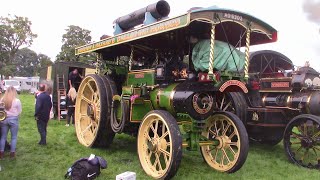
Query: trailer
(56,76)
(29,84)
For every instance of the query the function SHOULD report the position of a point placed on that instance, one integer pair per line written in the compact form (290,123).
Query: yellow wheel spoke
(213,134)
(156,129)
(222,159)
(164,135)
(153,130)
(87,128)
(225,130)
(158,161)
(147,136)
(90,87)
(232,143)
(85,99)
(231,150)
(164,152)
(225,154)
(231,135)
(216,154)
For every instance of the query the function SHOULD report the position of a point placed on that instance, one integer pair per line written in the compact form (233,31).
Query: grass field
(52,161)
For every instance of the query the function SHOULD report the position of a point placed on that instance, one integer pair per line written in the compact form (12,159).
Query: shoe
(67,125)
(12,155)
(1,154)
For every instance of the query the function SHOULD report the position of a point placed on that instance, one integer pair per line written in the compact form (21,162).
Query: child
(72,94)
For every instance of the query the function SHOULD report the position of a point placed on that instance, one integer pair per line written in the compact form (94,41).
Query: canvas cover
(223,59)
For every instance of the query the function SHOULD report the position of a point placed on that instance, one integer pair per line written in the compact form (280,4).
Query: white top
(15,109)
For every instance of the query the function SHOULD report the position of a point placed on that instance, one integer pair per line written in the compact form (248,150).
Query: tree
(28,63)
(44,60)
(74,37)
(15,32)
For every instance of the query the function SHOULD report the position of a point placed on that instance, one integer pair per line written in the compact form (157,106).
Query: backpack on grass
(86,168)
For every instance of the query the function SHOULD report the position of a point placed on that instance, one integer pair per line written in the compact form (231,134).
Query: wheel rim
(302,142)
(155,146)
(223,156)
(87,119)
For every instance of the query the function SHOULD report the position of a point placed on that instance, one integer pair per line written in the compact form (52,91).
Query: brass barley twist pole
(131,58)
(246,65)
(211,60)
(157,57)
(98,65)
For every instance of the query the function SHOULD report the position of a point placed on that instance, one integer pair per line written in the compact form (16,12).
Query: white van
(8,82)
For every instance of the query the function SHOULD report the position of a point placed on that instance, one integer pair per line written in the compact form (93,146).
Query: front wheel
(302,140)
(230,153)
(159,145)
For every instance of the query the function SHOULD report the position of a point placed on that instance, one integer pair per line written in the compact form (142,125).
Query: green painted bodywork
(140,108)
(162,98)
(139,79)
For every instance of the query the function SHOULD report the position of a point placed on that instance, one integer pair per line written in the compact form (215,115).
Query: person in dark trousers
(72,94)
(42,113)
(74,80)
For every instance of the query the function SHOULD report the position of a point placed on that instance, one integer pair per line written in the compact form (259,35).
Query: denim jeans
(42,129)
(10,123)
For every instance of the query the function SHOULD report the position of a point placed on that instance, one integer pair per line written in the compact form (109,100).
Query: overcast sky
(297,21)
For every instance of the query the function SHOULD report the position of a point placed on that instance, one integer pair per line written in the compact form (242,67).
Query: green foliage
(15,32)
(74,37)
(52,161)
(28,63)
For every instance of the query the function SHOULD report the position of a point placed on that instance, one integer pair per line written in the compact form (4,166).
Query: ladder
(62,96)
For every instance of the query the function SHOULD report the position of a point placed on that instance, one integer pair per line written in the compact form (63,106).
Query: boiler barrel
(157,10)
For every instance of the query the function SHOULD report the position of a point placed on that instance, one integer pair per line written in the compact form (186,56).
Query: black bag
(85,169)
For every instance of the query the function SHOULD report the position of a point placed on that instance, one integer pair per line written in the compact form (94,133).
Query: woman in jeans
(13,109)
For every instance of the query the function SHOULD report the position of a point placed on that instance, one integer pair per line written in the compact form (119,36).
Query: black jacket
(43,107)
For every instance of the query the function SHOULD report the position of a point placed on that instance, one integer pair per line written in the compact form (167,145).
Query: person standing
(13,109)
(74,80)
(72,94)
(42,113)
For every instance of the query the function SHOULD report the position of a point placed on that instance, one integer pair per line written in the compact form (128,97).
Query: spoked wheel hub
(230,151)
(307,142)
(302,141)
(91,112)
(159,145)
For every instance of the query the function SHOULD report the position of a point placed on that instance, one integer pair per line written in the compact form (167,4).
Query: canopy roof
(172,34)
(268,61)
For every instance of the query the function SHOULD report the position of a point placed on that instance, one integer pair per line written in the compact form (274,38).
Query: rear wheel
(233,102)
(302,140)
(91,113)
(159,145)
(231,152)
